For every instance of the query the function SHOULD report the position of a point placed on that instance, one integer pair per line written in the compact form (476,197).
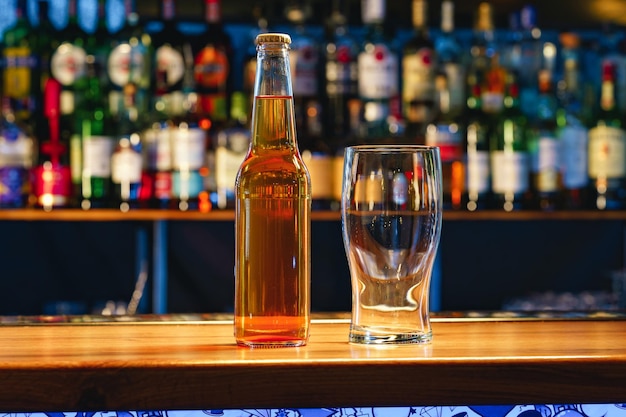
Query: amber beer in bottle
(272,213)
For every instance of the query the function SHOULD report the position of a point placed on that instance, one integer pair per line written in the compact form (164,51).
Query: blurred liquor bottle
(353,138)
(157,142)
(68,66)
(306,67)
(418,75)
(189,164)
(612,49)
(189,141)
(483,49)
(446,133)
(509,153)
(478,127)
(20,75)
(91,144)
(17,156)
(307,70)
(92,147)
(99,44)
(451,58)
(172,50)
(172,89)
(129,62)
(342,106)
(249,59)
(378,73)
(45,41)
(494,86)
(231,147)
(129,68)
(52,179)
(213,65)
(607,148)
(544,148)
(127,163)
(531,48)
(571,121)
(511,44)
(341,75)
(213,61)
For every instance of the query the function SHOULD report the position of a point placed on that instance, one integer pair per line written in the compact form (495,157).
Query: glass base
(382,336)
(269,344)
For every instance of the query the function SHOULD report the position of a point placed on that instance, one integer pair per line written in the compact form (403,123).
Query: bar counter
(170,364)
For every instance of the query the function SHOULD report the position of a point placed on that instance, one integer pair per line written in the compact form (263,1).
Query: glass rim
(393,148)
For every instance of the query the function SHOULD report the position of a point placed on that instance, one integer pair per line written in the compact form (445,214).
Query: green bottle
(607,148)
(20,78)
(377,65)
(509,153)
(92,146)
(544,148)
(129,62)
(477,131)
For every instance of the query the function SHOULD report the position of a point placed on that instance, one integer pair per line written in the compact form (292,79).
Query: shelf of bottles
(147,117)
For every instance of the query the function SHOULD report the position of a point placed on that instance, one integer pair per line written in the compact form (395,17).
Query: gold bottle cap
(273,37)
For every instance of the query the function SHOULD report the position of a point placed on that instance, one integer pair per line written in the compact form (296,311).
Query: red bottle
(52,185)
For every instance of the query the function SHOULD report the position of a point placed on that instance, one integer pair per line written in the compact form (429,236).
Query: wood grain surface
(196,365)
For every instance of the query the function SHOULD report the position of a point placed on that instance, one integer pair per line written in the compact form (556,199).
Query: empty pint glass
(391,215)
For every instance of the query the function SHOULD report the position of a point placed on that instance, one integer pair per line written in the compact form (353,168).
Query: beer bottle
(272,213)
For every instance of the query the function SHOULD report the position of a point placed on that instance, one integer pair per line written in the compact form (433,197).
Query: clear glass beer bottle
(272,213)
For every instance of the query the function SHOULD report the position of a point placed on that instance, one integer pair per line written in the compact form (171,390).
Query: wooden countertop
(196,365)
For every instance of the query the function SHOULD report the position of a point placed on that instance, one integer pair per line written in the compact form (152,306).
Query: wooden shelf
(110,215)
(492,215)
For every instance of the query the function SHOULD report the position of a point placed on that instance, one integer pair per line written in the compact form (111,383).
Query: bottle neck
(132,18)
(273,118)
(484,21)
(100,15)
(20,10)
(338,20)
(129,7)
(273,76)
(443,95)
(212,11)
(607,91)
(43,14)
(571,75)
(528,22)
(607,96)
(420,17)
(71,11)
(373,12)
(168,10)
(447,16)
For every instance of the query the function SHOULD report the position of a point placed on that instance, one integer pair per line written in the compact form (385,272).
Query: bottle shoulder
(375,36)
(283,160)
(169,34)
(419,39)
(271,169)
(18,35)
(214,36)
(609,122)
